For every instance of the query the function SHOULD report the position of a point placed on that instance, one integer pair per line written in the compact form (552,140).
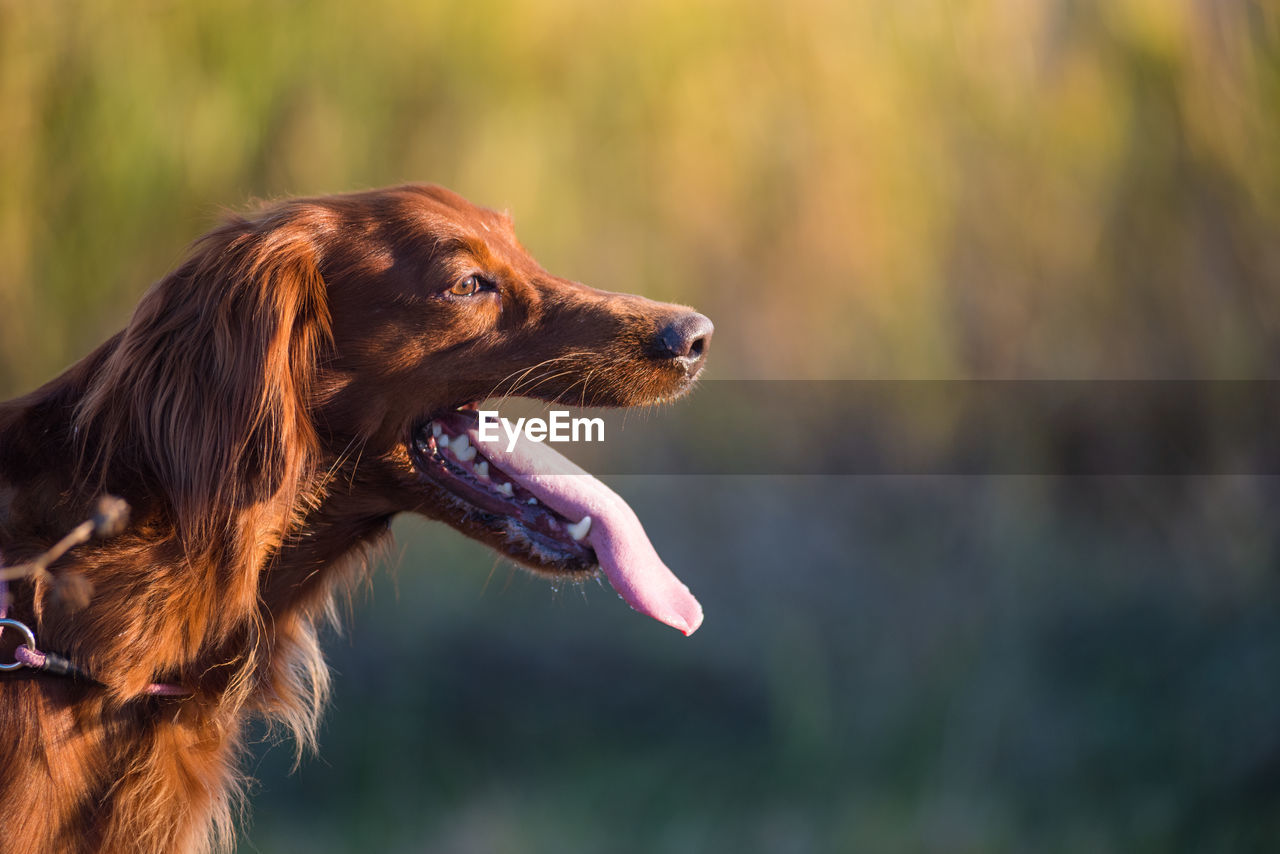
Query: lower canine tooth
(482,470)
(442,441)
(506,489)
(579,530)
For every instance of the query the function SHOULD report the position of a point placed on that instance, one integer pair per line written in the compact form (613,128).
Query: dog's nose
(686,338)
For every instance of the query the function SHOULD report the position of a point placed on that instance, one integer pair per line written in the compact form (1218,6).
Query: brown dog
(304,376)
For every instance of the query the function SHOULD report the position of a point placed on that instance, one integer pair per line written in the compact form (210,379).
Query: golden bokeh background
(924,189)
(920,189)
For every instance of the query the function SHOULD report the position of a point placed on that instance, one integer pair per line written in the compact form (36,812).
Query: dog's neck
(243,641)
(249,624)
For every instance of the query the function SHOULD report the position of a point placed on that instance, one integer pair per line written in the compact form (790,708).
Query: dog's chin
(483,502)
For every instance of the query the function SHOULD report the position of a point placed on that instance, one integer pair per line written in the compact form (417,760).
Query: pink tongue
(625,553)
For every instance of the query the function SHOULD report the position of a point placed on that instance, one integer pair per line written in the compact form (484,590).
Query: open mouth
(548,514)
(445,453)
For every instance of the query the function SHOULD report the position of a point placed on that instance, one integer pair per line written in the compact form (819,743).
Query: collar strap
(30,656)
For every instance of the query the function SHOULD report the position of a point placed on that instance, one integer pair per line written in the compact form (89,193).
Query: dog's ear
(209,387)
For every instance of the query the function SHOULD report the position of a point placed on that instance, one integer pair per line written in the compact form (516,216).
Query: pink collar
(29,655)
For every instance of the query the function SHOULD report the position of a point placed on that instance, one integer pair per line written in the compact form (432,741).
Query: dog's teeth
(532,501)
(442,441)
(579,530)
(506,489)
(481,469)
(437,430)
(462,449)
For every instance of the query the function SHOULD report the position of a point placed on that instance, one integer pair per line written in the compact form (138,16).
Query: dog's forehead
(438,209)
(450,223)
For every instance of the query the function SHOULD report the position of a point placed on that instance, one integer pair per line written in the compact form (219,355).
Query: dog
(307,373)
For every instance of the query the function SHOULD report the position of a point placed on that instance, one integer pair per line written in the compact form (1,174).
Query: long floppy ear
(208,389)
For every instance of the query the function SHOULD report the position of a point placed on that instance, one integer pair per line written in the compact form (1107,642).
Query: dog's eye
(469,286)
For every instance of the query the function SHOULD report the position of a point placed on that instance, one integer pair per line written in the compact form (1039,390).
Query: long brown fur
(255,413)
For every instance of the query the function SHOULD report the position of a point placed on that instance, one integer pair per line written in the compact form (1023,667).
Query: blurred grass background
(922,189)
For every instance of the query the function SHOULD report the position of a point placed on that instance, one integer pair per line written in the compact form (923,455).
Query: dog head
(327,355)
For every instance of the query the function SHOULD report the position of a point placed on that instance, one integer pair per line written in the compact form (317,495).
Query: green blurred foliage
(926,188)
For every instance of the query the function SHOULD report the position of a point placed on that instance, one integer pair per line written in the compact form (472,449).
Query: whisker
(524,384)
(522,372)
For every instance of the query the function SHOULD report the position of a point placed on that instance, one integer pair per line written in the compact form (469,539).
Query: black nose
(685,338)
